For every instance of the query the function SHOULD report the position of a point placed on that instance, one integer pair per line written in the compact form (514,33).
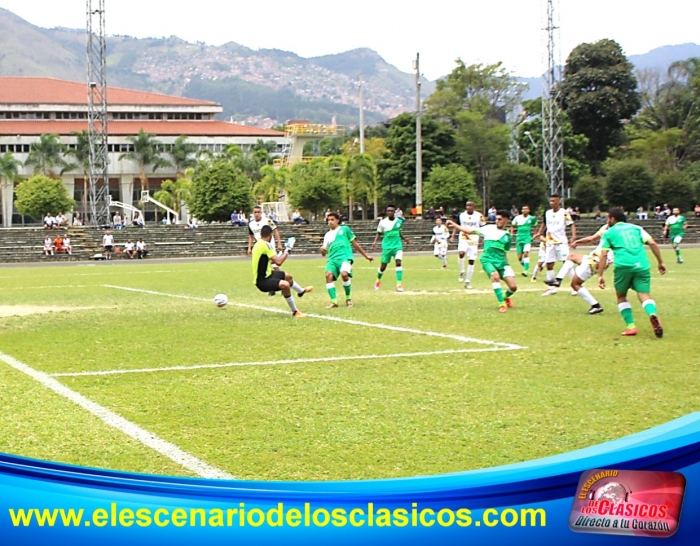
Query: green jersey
(338,243)
(262,266)
(676,225)
(627,242)
(392,233)
(496,244)
(524,225)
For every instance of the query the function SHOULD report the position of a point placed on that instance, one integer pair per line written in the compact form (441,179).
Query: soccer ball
(221,300)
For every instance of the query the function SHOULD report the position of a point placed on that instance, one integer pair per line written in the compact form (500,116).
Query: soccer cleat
(349,303)
(630,332)
(595,309)
(298,314)
(399,288)
(533,279)
(524,274)
(553,282)
(461,277)
(503,308)
(272,293)
(509,303)
(444,267)
(574,293)
(550,292)
(377,284)
(306,289)
(679,260)
(332,305)
(468,285)
(656,325)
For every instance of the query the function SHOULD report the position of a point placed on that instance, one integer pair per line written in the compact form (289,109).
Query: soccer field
(140,371)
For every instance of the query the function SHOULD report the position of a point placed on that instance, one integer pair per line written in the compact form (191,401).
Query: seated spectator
(492,214)
(48,246)
(60,220)
(67,245)
(234,218)
(514,211)
(666,212)
(642,214)
(138,221)
(399,213)
(141,250)
(697,209)
(117,221)
(431,213)
(77,221)
(325,215)
(455,215)
(297,217)
(242,219)
(192,223)
(129,249)
(58,243)
(48,221)
(599,215)
(576,215)
(125,221)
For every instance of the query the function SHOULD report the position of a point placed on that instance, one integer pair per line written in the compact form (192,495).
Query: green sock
(399,275)
(331,292)
(678,252)
(526,264)
(626,312)
(347,287)
(508,293)
(650,307)
(380,274)
(498,291)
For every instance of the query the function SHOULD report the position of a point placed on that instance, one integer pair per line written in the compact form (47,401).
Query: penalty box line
(279,362)
(462,339)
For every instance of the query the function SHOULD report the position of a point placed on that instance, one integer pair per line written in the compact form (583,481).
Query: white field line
(463,339)
(112,419)
(47,286)
(279,362)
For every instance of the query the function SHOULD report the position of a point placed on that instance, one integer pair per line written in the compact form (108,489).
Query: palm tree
(172,194)
(272,184)
(9,173)
(47,154)
(182,152)
(361,176)
(81,156)
(147,150)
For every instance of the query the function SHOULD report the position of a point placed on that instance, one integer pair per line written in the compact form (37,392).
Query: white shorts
(471,250)
(508,272)
(527,248)
(440,250)
(584,271)
(541,255)
(557,253)
(677,240)
(346,267)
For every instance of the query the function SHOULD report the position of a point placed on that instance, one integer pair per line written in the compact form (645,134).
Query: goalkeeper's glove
(289,244)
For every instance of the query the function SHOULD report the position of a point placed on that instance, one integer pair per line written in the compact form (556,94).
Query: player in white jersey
(468,244)
(256,224)
(584,267)
(541,258)
(554,225)
(439,240)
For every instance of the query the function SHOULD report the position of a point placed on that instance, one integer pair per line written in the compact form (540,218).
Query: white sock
(444,260)
(566,269)
(290,302)
(460,261)
(526,261)
(536,270)
(550,274)
(298,289)
(470,272)
(586,295)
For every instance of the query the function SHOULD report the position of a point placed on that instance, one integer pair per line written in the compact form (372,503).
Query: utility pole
(362,119)
(419,150)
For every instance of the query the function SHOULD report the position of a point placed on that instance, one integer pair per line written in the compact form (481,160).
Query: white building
(30,107)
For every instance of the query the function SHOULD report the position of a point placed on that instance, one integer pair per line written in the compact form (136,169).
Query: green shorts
(336,266)
(389,253)
(521,247)
(627,278)
(502,268)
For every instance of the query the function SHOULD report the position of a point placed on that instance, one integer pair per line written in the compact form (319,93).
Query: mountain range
(258,87)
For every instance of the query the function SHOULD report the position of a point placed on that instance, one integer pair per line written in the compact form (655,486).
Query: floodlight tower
(552,138)
(97,112)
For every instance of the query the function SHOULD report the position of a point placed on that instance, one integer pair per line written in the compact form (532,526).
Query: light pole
(534,144)
(362,119)
(419,151)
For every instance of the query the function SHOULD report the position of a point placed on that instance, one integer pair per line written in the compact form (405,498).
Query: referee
(267,280)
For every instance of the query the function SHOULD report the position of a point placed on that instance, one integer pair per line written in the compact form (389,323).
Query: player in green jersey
(521,227)
(392,246)
(494,259)
(337,245)
(632,268)
(675,227)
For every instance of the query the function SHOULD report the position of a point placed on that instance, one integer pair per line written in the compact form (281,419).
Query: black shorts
(109,248)
(271,283)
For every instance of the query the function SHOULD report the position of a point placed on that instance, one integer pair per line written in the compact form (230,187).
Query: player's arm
(601,268)
(376,240)
(540,230)
(405,239)
(573,231)
(323,251)
(251,241)
(457,228)
(657,254)
(666,228)
(276,233)
(357,246)
(590,239)
(279,259)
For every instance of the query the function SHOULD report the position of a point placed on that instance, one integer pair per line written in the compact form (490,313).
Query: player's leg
(330,285)
(526,259)
(541,255)
(443,255)
(566,269)
(508,276)
(623,282)
(385,259)
(642,285)
(462,249)
(493,275)
(472,253)
(677,248)
(346,276)
(398,257)
(285,286)
(581,274)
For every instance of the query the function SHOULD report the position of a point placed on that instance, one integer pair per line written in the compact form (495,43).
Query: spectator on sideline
(48,221)
(77,221)
(48,246)
(455,215)
(58,243)
(697,209)
(242,219)
(431,214)
(514,211)
(129,249)
(137,221)
(492,214)
(296,217)
(60,220)
(141,250)
(398,213)
(576,214)
(191,223)
(67,246)
(325,215)
(117,221)
(642,214)
(108,244)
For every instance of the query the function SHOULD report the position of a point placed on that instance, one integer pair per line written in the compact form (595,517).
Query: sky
(485,31)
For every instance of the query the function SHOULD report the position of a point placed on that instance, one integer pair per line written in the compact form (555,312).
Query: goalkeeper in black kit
(268,280)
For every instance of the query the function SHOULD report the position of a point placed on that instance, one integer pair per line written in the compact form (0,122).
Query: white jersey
(254,226)
(556,226)
(128,247)
(472,221)
(140,245)
(440,235)
(594,256)
(108,240)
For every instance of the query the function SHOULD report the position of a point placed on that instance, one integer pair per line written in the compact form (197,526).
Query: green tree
(183,154)
(41,194)
(146,153)
(518,184)
(80,154)
(599,91)
(272,184)
(173,194)
(47,155)
(397,170)
(677,190)
(629,184)
(315,186)
(9,168)
(218,188)
(449,186)
(360,174)
(588,192)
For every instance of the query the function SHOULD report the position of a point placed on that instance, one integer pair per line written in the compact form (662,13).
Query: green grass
(576,382)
